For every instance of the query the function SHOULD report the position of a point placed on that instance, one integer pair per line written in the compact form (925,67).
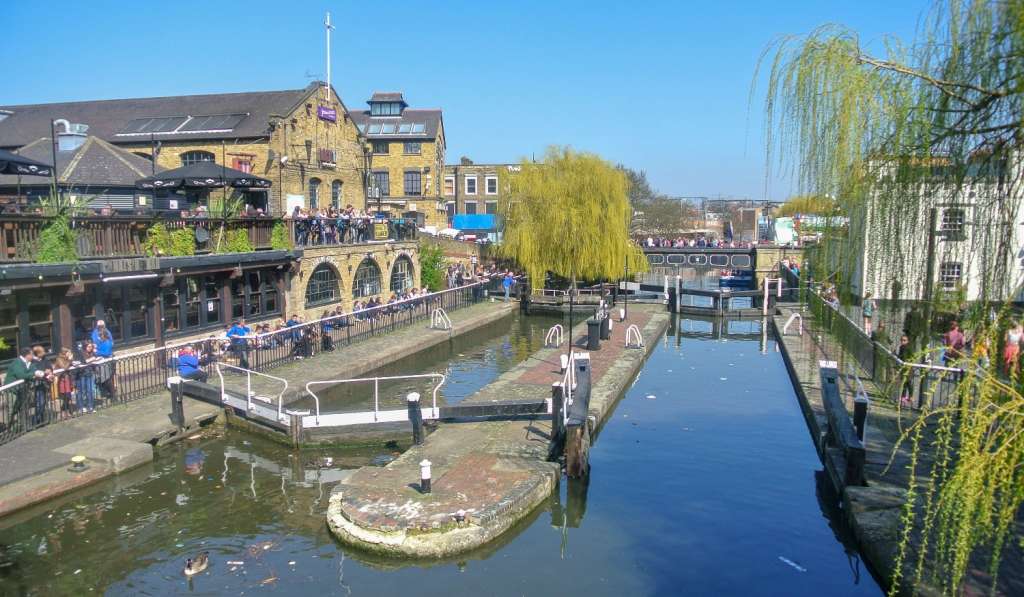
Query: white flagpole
(327,24)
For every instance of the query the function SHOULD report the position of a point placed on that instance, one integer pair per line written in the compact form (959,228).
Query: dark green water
(704,482)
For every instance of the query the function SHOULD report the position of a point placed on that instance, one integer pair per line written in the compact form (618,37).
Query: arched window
(195,156)
(336,193)
(367,279)
(401,274)
(323,286)
(314,192)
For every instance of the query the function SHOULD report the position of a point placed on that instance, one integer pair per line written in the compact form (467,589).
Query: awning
(12,163)
(202,175)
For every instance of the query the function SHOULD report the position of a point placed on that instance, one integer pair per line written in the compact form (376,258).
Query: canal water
(704,482)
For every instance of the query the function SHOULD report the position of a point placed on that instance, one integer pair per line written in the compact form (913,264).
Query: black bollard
(860,415)
(593,334)
(177,404)
(557,421)
(415,417)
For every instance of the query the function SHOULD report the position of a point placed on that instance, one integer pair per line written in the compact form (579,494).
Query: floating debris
(77,571)
(790,562)
(291,563)
(723,378)
(651,397)
(235,563)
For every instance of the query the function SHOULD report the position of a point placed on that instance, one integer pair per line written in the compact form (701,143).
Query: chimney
(73,135)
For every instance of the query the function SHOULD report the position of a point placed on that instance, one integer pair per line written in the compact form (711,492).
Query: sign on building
(325,113)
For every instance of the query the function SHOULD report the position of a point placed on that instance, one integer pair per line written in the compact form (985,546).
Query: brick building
(303,140)
(473,189)
(407,156)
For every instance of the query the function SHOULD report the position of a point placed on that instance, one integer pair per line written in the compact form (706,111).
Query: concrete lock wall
(344,262)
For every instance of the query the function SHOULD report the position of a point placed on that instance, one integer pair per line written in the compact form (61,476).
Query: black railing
(35,403)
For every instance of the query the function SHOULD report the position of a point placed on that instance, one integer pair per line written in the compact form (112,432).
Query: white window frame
(947,281)
(487,185)
(476,208)
(446,180)
(466,185)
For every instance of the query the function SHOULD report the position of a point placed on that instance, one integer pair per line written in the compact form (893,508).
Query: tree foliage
(161,242)
(569,215)
(232,241)
(57,242)
(814,205)
(936,124)
(280,240)
(431,266)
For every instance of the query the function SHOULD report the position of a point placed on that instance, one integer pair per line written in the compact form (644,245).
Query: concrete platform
(494,471)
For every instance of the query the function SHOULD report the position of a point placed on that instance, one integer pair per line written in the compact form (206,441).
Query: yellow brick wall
(431,156)
(289,138)
(345,259)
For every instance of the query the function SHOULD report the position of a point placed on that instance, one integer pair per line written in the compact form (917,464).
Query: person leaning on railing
(26,370)
(189,364)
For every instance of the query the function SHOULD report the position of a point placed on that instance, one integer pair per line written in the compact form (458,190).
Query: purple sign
(325,113)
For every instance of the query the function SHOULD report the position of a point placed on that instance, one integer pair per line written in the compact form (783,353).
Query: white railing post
(376,398)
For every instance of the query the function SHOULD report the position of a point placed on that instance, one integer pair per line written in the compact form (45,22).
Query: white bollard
(622,315)
(425,476)
(563,359)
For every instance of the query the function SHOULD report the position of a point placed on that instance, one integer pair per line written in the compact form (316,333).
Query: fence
(25,406)
(913,384)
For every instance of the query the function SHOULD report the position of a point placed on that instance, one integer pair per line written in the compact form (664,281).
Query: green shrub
(432,266)
(232,241)
(280,240)
(57,242)
(161,242)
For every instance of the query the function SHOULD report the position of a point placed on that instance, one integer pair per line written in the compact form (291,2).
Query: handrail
(800,320)
(633,332)
(439,320)
(557,334)
(376,389)
(248,385)
(12,384)
(568,385)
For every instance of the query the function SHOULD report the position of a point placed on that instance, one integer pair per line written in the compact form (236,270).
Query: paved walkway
(874,511)
(495,471)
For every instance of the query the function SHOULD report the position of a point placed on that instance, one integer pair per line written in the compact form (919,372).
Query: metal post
(557,421)
(295,429)
(425,476)
(177,404)
(376,398)
(860,415)
(412,401)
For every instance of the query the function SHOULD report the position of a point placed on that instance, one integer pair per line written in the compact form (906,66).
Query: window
(471,185)
(367,279)
(254,294)
(450,208)
(9,326)
(949,275)
(192,303)
(382,181)
(470,208)
(418,127)
(126,311)
(387,129)
(953,220)
(386,109)
(491,207)
(491,185)
(374,128)
(172,309)
(411,148)
(412,183)
(381,147)
(243,164)
(336,193)
(404,128)
(401,274)
(194,157)
(314,192)
(449,186)
(323,286)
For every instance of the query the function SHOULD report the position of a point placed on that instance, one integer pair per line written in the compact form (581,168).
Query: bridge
(762,259)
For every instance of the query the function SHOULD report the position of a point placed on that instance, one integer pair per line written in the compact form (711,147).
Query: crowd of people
(66,383)
(332,225)
(700,242)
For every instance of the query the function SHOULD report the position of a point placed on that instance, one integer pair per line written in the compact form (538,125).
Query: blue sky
(658,86)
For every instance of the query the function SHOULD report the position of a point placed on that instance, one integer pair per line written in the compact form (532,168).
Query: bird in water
(197,564)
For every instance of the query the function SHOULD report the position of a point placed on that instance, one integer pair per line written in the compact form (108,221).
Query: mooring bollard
(622,315)
(563,362)
(606,330)
(593,334)
(860,415)
(425,476)
(557,415)
(177,405)
(415,417)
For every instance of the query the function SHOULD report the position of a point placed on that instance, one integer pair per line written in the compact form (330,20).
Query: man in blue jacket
(188,365)
(237,334)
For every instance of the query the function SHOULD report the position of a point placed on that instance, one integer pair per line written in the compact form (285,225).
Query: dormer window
(386,109)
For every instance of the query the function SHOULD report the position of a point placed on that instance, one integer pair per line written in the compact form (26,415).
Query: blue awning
(472,222)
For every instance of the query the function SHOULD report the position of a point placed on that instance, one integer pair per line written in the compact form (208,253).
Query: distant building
(303,140)
(474,189)
(407,148)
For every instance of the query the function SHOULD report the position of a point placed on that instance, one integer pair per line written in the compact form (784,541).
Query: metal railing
(131,376)
(376,415)
(633,337)
(555,336)
(439,320)
(249,394)
(913,384)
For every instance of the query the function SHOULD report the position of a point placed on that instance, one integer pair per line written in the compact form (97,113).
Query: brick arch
(411,272)
(317,284)
(363,284)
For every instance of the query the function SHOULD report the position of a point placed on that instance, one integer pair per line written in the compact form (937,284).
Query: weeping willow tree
(569,215)
(921,145)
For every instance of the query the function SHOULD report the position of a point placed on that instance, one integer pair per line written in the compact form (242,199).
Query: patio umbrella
(12,163)
(202,175)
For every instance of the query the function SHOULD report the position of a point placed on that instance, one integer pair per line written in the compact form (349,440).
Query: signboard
(380,231)
(293,201)
(325,113)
